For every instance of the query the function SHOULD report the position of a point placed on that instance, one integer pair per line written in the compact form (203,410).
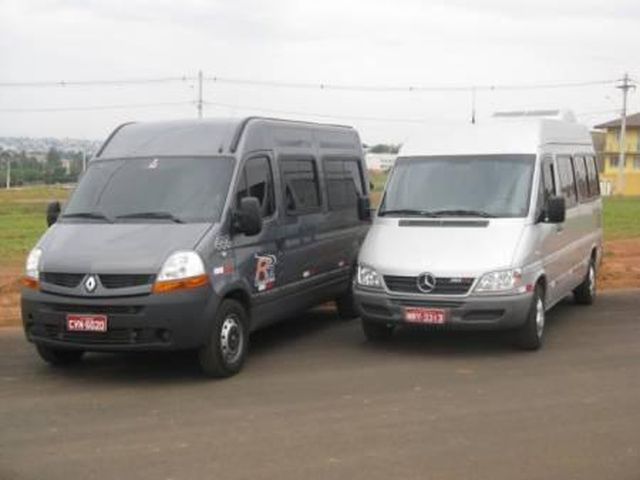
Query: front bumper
(172,321)
(465,312)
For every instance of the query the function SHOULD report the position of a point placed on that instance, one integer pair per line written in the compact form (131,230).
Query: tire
(530,336)
(226,349)
(585,293)
(59,357)
(346,306)
(376,331)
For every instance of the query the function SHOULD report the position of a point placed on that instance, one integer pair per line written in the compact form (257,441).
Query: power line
(97,83)
(300,85)
(91,107)
(407,88)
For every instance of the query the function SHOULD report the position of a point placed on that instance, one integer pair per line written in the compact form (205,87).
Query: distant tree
(54,171)
(385,148)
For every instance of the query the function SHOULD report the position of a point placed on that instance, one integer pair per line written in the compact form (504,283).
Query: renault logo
(426,282)
(90,284)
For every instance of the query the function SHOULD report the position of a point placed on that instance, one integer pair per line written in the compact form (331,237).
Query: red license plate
(426,316)
(86,323)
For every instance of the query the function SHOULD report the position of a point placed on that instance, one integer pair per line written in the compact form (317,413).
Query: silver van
(484,227)
(192,234)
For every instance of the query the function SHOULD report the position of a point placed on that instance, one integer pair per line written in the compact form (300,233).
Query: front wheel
(585,293)
(59,357)
(226,350)
(530,335)
(376,331)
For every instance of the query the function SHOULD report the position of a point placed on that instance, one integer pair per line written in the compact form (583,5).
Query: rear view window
(302,189)
(344,183)
(592,176)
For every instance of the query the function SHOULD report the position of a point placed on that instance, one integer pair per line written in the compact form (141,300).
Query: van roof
(192,137)
(497,135)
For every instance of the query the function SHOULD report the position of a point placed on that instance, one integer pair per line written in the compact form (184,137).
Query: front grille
(69,280)
(125,281)
(114,336)
(444,285)
(97,309)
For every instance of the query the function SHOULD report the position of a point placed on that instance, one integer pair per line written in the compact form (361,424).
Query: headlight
(182,270)
(368,277)
(502,281)
(32,267)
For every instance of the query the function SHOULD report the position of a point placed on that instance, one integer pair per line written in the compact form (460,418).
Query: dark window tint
(567,180)
(548,178)
(257,181)
(344,182)
(592,176)
(581,177)
(302,190)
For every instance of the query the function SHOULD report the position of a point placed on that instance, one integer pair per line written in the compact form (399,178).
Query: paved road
(316,401)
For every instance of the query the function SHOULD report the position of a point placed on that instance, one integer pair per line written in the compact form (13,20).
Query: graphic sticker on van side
(265,278)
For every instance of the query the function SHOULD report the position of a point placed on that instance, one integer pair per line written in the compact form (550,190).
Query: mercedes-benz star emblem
(90,284)
(426,282)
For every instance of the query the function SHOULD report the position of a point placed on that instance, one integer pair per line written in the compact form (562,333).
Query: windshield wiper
(463,213)
(153,215)
(92,215)
(407,211)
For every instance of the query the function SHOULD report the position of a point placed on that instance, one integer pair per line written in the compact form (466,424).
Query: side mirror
(248,218)
(556,210)
(364,208)
(53,212)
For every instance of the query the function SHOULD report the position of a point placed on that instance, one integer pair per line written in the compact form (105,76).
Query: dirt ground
(620,269)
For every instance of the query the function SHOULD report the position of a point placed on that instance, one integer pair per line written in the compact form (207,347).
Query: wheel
(530,335)
(376,331)
(346,306)
(226,350)
(59,357)
(585,293)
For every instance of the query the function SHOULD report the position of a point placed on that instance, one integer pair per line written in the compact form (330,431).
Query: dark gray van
(192,234)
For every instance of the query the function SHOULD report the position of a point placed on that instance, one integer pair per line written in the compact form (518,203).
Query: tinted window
(581,177)
(300,178)
(592,175)
(469,185)
(189,189)
(344,183)
(567,180)
(548,178)
(257,181)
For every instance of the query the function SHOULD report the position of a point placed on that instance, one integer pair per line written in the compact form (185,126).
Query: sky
(444,43)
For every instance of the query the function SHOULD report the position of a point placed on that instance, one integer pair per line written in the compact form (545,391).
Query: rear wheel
(225,352)
(585,293)
(59,357)
(376,331)
(530,335)
(346,306)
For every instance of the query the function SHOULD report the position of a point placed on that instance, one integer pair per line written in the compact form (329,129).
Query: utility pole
(8,173)
(625,86)
(473,105)
(84,160)
(199,104)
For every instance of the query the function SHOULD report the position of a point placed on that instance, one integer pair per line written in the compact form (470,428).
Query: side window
(581,177)
(567,180)
(548,178)
(257,181)
(592,175)
(344,182)
(302,188)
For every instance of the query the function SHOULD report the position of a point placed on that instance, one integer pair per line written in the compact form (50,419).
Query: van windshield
(176,189)
(482,185)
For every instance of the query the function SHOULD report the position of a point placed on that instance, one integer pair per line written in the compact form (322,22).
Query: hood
(445,248)
(115,248)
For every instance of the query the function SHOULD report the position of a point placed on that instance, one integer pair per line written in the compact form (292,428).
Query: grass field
(22,216)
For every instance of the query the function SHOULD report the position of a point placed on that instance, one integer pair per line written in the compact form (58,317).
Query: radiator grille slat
(444,285)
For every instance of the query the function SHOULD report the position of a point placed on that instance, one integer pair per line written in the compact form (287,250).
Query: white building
(380,161)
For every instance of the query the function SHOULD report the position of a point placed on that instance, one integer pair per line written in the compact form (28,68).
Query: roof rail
(235,141)
(565,115)
(104,145)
